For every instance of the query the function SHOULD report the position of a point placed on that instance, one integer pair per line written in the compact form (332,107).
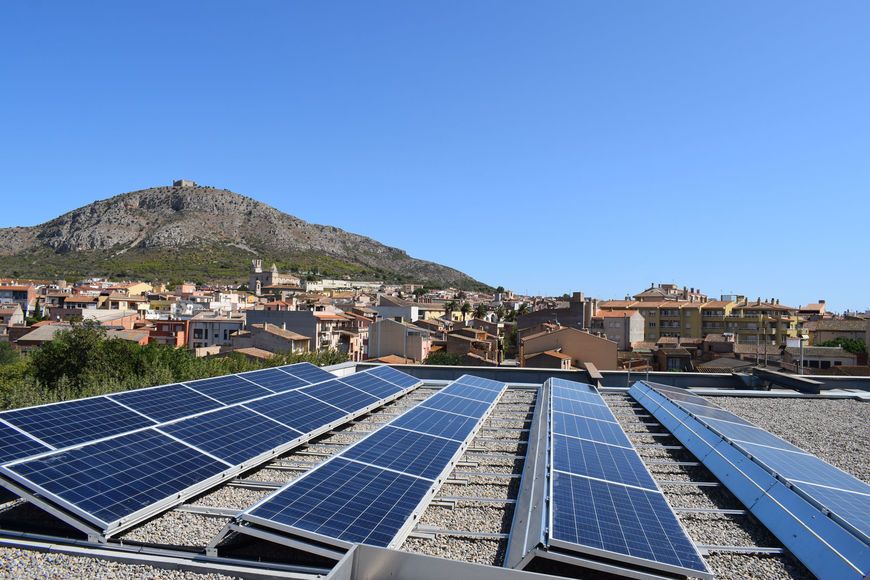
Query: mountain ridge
(211,228)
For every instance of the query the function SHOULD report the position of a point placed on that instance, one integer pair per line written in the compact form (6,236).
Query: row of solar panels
(28,431)
(115,481)
(603,499)
(368,493)
(819,512)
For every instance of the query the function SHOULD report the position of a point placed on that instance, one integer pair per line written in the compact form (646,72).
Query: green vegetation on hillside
(855,346)
(215,263)
(82,362)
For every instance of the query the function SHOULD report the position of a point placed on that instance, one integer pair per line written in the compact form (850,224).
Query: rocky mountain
(203,233)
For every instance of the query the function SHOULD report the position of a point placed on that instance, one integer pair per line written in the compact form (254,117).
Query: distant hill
(201,233)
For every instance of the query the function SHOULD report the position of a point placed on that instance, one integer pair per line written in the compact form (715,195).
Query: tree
(7,354)
(480,311)
(419,292)
(443,358)
(465,310)
(853,345)
(524,309)
(449,308)
(500,290)
(72,354)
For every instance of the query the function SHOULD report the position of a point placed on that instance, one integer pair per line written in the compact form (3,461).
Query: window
(652,324)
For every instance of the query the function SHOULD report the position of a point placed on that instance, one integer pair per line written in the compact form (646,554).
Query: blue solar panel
(601,461)
(469,392)
(479,382)
(619,519)
(340,395)
(851,506)
(405,451)
(235,434)
(74,422)
(113,479)
(166,403)
(371,385)
(396,377)
(308,372)
(436,423)
(748,433)
(585,428)
(228,390)
(14,444)
(297,410)
(347,500)
(802,466)
(453,404)
(275,380)
(713,413)
(582,409)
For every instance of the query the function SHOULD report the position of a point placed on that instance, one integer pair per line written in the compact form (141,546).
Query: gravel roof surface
(28,564)
(838,431)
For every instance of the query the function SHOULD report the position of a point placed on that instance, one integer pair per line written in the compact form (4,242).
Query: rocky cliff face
(174,220)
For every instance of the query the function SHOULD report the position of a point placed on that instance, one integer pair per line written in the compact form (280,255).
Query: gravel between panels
(479,551)
(177,529)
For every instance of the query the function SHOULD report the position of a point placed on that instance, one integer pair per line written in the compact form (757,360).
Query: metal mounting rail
(256,484)
(729,512)
(474,499)
(740,549)
(669,462)
(429,532)
(691,483)
(207,510)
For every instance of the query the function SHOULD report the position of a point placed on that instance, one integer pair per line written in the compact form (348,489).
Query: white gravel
(469,517)
(464,549)
(232,497)
(27,564)
(768,567)
(177,529)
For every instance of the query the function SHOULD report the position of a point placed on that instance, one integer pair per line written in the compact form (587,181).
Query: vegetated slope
(204,233)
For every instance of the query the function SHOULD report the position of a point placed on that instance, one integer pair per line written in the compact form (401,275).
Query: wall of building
(580,346)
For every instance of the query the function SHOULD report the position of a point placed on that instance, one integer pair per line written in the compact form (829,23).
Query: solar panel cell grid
(619,519)
(308,372)
(371,385)
(112,479)
(275,380)
(340,395)
(600,461)
(74,422)
(480,382)
(852,507)
(396,377)
(585,428)
(406,451)
(453,404)
(469,392)
(166,403)
(297,410)
(349,501)
(228,390)
(582,409)
(436,422)
(14,444)
(235,434)
(748,433)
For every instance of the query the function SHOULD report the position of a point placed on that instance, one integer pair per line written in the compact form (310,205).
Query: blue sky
(545,147)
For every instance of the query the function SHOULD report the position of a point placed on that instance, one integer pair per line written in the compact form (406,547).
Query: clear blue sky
(545,147)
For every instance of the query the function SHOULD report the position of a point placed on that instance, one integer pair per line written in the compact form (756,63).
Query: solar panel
(308,372)
(15,444)
(234,434)
(396,377)
(436,422)
(619,519)
(229,389)
(592,429)
(352,502)
(368,492)
(340,395)
(297,410)
(601,461)
(469,392)
(822,514)
(275,380)
(453,404)
(121,479)
(74,422)
(480,382)
(406,451)
(166,403)
(582,409)
(603,499)
(371,384)
(109,480)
